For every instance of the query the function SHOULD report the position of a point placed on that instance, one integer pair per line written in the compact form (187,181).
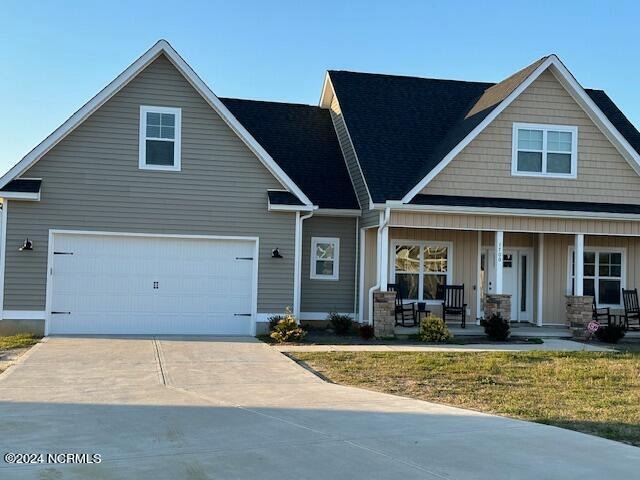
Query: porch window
(325,254)
(545,150)
(419,268)
(603,275)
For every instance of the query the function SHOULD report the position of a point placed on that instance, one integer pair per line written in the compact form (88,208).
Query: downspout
(297,274)
(381,227)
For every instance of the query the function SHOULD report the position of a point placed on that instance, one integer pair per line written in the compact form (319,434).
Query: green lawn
(596,393)
(20,340)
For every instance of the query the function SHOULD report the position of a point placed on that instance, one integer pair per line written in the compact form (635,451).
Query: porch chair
(631,307)
(601,313)
(453,302)
(402,309)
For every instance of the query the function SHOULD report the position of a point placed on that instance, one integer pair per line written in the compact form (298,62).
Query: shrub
(366,332)
(496,327)
(286,329)
(610,333)
(433,329)
(274,320)
(341,324)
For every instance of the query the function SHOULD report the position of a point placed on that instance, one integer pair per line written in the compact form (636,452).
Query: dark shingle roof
(302,140)
(518,203)
(402,127)
(278,197)
(22,186)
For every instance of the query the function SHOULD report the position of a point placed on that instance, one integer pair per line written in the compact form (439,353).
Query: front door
(517,280)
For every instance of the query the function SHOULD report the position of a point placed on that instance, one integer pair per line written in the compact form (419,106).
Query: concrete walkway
(238,409)
(549,345)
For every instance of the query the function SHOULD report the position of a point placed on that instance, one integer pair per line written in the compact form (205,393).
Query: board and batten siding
(91,181)
(483,168)
(329,295)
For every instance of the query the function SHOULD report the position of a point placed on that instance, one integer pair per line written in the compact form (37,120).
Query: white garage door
(120,284)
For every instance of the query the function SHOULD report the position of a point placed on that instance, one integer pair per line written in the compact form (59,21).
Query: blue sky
(56,55)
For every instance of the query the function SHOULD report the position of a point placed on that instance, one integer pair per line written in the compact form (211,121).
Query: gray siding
(349,155)
(91,181)
(327,295)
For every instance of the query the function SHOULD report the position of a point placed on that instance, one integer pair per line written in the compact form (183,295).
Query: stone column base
(384,318)
(498,303)
(579,314)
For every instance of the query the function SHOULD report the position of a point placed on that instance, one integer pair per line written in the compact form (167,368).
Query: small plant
(433,329)
(286,329)
(366,332)
(496,327)
(610,333)
(341,324)
(274,320)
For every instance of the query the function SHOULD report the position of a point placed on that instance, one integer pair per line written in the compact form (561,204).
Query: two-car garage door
(135,284)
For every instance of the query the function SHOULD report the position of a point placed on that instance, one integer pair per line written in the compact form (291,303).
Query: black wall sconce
(275,253)
(27,245)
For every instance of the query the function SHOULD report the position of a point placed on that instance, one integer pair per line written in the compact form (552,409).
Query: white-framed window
(160,134)
(418,268)
(604,274)
(545,150)
(325,258)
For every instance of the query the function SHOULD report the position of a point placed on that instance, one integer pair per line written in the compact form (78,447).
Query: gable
(100,155)
(483,167)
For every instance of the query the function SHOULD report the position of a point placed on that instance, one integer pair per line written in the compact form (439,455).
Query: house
(160,208)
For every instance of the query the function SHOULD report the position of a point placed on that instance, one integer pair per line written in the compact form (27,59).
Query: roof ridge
(293,104)
(414,77)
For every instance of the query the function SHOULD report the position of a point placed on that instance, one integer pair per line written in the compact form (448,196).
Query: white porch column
(384,258)
(540,279)
(579,262)
(499,252)
(479,279)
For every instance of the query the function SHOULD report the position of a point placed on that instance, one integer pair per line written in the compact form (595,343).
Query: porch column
(499,253)
(384,258)
(479,279)
(540,279)
(579,262)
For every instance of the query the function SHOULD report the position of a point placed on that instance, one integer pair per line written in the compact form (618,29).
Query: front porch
(535,269)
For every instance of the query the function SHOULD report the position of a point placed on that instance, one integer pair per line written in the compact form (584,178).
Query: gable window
(603,275)
(325,256)
(545,150)
(160,132)
(420,268)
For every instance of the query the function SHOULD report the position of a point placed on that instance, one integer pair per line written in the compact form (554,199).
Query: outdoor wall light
(27,245)
(275,253)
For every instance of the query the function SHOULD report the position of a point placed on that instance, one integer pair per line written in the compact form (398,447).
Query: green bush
(496,327)
(366,332)
(610,333)
(286,329)
(341,324)
(433,329)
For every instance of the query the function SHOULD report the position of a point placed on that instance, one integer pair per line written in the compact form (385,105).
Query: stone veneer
(579,314)
(384,318)
(498,303)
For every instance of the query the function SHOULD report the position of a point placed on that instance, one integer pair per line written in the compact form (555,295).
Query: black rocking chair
(631,307)
(600,313)
(453,302)
(403,310)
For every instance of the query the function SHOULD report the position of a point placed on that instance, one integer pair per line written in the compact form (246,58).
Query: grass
(591,392)
(20,340)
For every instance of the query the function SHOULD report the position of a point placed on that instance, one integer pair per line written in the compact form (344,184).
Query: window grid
(524,141)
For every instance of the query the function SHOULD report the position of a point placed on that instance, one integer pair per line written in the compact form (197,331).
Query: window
(325,256)
(545,150)
(419,268)
(603,275)
(160,129)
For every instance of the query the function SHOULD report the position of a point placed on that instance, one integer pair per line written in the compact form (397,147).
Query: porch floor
(526,330)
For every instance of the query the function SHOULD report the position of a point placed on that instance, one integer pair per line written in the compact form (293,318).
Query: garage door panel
(108,285)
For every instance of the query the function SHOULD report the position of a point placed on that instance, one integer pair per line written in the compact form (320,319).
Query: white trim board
(23,314)
(574,89)
(322,315)
(161,47)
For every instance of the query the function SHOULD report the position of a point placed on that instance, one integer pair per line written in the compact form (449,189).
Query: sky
(56,55)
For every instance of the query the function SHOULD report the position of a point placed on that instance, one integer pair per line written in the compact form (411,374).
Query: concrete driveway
(237,409)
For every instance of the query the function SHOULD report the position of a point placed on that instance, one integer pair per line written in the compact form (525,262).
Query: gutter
(383,225)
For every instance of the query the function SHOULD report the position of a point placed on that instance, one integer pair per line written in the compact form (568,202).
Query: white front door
(517,280)
(133,284)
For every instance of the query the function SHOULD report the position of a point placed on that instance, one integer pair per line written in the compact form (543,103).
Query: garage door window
(160,129)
